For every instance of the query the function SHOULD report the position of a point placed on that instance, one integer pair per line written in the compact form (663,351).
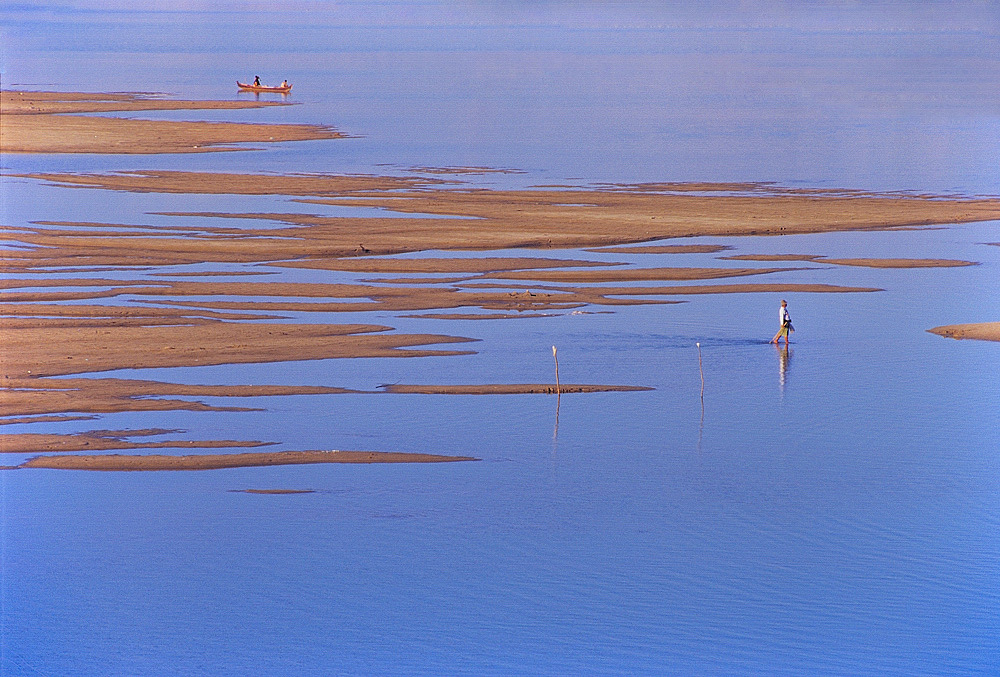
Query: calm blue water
(829,510)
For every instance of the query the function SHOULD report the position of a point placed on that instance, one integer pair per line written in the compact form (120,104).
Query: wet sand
(273,491)
(441,265)
(43,122)
(47,396)
(47,332)
(900,263)
(53,349)
(481,316)
(118,462)
(496,219)
(510,389)
(634,274)
(664,249)
(28,443)
(983,331)
(866,262)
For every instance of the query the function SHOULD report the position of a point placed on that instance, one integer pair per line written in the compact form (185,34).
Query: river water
(829,509)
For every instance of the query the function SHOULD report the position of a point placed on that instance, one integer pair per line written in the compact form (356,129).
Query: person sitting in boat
(256,81)
(284,83)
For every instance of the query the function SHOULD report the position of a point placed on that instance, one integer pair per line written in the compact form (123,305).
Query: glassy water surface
(829,509)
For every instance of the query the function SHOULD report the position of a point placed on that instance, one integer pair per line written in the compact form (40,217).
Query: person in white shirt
(786,324)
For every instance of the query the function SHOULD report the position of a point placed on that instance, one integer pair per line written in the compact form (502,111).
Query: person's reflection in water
(784,358)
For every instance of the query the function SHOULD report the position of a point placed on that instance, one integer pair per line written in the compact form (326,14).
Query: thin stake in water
(556,358)
(700,371)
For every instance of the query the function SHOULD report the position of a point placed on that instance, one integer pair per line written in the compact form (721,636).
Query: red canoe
(262,88)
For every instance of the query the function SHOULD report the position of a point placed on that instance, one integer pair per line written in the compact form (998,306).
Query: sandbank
(664,249)
(43,122)
(982,331)
(900,263)
(606,294)
(119,462)
(26,443)
(442,265)
(863,262)
(502,219)
(474,171)
(176,322)
(47,396)
(634,274)
(510,389)
(273,491)
(480,316)
(53,349)
(771,257)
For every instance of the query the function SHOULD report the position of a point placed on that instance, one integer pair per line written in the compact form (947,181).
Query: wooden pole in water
(556,358)
(701,371)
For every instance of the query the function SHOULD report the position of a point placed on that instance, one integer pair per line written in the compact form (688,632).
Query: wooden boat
(263,88)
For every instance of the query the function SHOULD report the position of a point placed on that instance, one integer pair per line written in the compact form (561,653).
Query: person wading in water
(786,324)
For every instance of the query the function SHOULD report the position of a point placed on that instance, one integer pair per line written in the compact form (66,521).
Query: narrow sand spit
(43,122)
(633,274)
(273,491)
(664,249)
(45,396)
(867,263)
(900,263)
(495,219)
(983,331)
(481,316)
(113,462)
(27,443)
(45,350)
(509,389)
(442,265)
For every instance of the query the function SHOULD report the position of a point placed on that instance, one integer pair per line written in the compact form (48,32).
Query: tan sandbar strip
(633,274)
(510,389)
(865,262)
(30,126)
(983,331)
(498,219)
(108,395)
(900,263)
(273,491)
(441,265)
(26,443)
(664,249)
(55,351)
(112,462)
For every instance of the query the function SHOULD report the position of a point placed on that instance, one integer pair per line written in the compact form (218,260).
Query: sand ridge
(120,462)
(862,262)
(43,122)
(52,327)
(484,219)
(982,331)
(26,443)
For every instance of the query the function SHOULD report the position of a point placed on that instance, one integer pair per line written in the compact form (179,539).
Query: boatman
(256,81)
